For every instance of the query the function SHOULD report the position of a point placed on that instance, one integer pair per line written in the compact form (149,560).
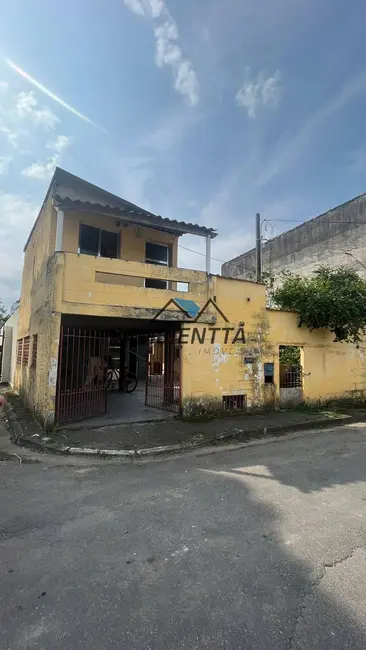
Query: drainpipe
(59,228)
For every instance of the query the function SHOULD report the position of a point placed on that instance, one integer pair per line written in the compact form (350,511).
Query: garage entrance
(94,363)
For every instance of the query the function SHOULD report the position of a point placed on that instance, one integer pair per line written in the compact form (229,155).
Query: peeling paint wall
(68,283)
(37,316)
(213,370)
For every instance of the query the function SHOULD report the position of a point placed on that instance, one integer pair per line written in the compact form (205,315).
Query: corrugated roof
(137,216)
(73,193)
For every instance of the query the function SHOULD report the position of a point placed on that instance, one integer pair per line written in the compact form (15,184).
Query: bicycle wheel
(129,382)
(109,379)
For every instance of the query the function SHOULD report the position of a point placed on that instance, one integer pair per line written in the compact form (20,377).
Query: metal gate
(82,365)
(291,386)
(163,373)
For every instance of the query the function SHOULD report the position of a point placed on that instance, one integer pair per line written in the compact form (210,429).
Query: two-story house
(101,290)
(97,270)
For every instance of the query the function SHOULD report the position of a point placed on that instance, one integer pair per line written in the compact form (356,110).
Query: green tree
(290,355)
(334,299)
(3,313)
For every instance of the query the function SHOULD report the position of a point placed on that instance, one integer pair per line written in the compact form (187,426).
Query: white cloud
(61,143)
(146,7)
(259,92)
(42,170)
(136,6)
(25,103)
(50,94)
(26,106)
(168,52)
(4,164)
(17,215)
(11,135)
(46,118)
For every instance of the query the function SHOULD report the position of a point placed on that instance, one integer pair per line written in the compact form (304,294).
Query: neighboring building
(8,345)
(326,239)
(101,289)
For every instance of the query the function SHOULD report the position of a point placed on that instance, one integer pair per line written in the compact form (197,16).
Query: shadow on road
(188,554)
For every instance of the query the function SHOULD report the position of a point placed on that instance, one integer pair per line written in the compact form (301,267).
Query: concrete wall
(97,286)
(37,384)
(7,369)
(67,283)
(223,367)
(322,240)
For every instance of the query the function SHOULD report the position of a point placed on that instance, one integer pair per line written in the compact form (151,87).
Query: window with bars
(234,402)
(19,350)
(34,351)
(26,346)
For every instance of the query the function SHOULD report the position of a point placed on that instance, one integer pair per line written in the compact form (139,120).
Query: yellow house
(101,291)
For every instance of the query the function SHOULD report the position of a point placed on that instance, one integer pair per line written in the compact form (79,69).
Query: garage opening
(117,375)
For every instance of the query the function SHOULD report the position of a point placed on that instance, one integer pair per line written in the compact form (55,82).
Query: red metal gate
(163,373)
(82,364)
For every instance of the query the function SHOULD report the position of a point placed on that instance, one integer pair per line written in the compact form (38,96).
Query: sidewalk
(169,436)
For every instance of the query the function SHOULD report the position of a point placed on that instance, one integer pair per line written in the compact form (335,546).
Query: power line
(215,259)
(198,253)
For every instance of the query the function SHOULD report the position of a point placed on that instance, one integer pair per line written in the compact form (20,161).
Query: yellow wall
(81,289)
(211,370)
(329,368)
(36,316)
(67,283)
(132,238)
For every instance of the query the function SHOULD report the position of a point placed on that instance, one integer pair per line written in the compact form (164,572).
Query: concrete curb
(46,445)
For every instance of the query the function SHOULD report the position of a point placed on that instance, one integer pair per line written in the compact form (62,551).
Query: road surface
(262,547)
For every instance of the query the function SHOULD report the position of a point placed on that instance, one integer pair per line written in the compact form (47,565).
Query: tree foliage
(3,313)
(331,298)
(290,355)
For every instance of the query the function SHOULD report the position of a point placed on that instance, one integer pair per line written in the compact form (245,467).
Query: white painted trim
(59,229)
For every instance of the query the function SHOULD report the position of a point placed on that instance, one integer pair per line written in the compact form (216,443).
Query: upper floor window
(156,254)
(98,242)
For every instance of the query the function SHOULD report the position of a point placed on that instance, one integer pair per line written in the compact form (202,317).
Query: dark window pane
(108,244)
(88,240)
(156,254)
(150,283)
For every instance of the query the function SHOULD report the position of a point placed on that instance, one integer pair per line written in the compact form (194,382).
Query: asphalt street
(259,547)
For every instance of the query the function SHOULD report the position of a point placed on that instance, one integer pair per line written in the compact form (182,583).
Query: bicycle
(129,382)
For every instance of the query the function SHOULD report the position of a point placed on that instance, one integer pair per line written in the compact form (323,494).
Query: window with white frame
(156,254)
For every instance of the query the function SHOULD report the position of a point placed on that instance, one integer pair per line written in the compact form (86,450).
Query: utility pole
(258,247)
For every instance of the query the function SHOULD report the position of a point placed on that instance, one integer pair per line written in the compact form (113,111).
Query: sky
(206,111)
